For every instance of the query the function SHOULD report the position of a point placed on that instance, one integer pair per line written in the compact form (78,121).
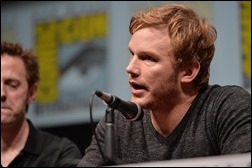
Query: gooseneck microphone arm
(130,110)
(109,135)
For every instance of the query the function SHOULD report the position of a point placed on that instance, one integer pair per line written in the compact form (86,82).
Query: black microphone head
(98,93)
(130,110)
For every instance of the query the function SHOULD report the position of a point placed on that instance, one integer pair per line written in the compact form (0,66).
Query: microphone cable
(92,123)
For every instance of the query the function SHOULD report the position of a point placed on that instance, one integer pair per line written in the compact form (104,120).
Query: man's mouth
(137,86)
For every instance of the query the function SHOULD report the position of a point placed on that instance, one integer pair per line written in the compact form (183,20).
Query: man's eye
(13,84)
(131,54)
(148,58)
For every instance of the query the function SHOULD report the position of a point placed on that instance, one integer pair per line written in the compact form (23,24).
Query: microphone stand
(109,136)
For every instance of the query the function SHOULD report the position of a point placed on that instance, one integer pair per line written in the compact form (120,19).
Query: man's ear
(190,73)
(32,93)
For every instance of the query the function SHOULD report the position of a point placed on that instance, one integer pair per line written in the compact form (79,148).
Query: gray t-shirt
(218,122)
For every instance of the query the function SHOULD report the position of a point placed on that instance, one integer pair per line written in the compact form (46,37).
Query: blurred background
(83,46)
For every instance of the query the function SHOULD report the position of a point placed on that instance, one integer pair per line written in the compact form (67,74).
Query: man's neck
(166,120)
(13,138)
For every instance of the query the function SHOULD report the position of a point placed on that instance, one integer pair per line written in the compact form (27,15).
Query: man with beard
(171,49)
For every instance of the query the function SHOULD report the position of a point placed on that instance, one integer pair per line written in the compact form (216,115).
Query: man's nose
(133,67)
(3,94)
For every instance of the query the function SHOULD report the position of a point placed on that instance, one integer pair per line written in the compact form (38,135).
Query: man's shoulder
(41,134)
(54,137)
(228,89)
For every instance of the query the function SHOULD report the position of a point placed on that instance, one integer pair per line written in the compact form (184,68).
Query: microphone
(130,110)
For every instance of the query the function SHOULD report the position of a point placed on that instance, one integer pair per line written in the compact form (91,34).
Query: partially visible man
(22,144)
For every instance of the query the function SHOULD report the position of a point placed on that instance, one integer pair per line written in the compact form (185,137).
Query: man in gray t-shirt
(171,49)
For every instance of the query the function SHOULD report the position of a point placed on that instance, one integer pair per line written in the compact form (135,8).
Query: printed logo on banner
(72,57)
